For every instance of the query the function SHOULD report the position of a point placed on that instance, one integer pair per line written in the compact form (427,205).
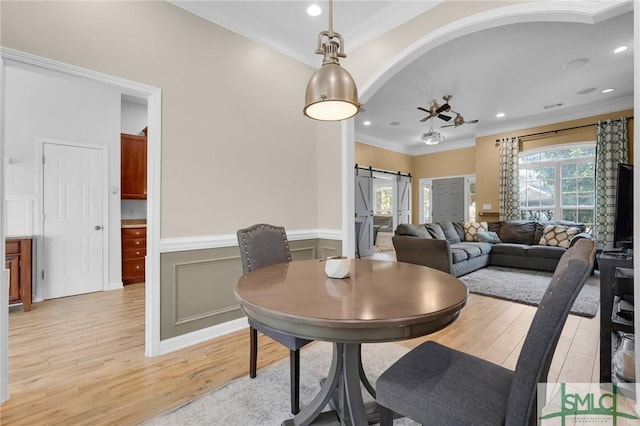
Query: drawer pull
(138,267)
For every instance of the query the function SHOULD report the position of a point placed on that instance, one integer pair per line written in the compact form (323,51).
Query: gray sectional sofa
(446,246)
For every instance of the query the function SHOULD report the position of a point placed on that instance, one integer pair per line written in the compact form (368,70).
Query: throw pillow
(471,228)
(436,231)
(558,235)
(487,237)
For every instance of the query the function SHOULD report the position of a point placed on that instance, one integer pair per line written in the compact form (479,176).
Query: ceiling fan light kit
(331,94)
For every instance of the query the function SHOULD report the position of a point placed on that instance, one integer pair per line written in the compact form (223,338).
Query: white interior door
(73,220)
(402,200)
(364,212)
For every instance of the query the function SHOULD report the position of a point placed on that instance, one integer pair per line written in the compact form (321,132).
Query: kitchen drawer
(138,243)
(134,253)
(133,269)
(134,233)
(12,247)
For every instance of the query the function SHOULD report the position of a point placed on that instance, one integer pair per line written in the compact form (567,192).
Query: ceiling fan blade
(448,125)
(444,117)
(443,108)
(471,122)
(425,119)
(423,109)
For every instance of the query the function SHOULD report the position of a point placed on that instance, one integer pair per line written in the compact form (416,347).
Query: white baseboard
(199,336)
(113,286)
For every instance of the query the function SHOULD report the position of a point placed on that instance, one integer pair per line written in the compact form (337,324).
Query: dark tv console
(616,306)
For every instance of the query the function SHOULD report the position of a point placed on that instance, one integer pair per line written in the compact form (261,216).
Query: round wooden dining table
(380,301)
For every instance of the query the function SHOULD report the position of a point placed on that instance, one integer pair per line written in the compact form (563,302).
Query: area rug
(528,287)
(265,399)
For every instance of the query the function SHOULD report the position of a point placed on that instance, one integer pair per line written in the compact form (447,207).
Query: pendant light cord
(330,19)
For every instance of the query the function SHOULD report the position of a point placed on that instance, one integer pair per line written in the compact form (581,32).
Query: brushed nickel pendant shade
(331,93)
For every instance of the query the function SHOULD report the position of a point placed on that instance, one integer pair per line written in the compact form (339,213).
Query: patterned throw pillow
(558,235)
(471,228)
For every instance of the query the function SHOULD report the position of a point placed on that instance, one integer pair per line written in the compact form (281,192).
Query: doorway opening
(11,59)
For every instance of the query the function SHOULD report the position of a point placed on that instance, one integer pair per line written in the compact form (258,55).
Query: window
(382,198)
(426,202)
(558,183)
(471,198)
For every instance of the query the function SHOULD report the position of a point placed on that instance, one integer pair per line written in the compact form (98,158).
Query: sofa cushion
(450,232)
(494,227)
(517,231)
(458,255)
(543,224)
(472,250)
(487,237)
(459,230)
(436,231)
(485,248)
(558,235)
(512,249)
(413,230)
(546,252)
(471,228)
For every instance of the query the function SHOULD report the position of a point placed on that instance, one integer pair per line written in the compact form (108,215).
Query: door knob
(98,227)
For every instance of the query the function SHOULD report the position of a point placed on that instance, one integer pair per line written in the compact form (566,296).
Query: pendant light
(331,93)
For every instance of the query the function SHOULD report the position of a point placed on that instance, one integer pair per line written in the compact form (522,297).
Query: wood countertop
(134,223)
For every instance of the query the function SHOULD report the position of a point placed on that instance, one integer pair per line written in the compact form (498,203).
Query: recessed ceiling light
(576,63)
(394,123)
(500,115)
(366,123)
(608,90)
(620,49)
(585,91)
(314,10)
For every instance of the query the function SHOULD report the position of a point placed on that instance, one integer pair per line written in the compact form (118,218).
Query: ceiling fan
(459,121)
(436,110)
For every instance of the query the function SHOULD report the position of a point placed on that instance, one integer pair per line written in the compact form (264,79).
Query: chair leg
(386,416)
(253,351)
(294,368)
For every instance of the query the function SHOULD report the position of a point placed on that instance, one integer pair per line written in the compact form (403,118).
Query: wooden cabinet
(134,250)
(18,262)
(133,167)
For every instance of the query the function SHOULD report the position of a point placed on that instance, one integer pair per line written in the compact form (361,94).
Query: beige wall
(380,158)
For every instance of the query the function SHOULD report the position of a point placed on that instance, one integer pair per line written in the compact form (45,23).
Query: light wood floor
(80,360)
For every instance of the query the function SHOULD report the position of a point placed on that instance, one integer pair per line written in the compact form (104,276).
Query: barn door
(402,200)
(364,212)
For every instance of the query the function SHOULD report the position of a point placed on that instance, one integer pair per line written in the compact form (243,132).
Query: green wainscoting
(196,286)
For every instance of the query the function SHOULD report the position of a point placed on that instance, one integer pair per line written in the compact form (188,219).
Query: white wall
(60,108)
(133,117)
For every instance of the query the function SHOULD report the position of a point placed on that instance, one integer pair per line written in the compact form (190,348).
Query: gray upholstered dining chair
(434,384)
(263,245)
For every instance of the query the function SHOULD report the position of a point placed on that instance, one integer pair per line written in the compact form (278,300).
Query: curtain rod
(371,169)
(559,130)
